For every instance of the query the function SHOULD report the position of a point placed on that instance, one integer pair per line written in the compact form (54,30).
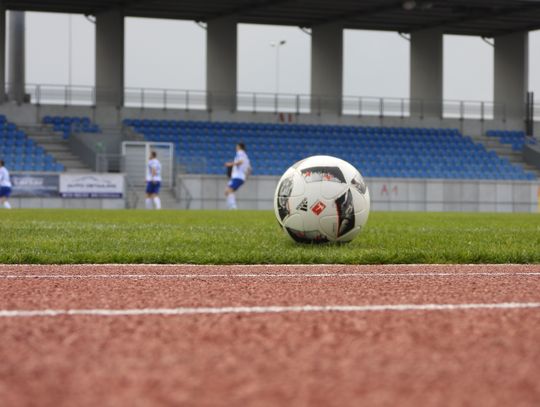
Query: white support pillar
(511,75)
(221,64)
(110,58)
(16,68)
(327,68)
(2,53)
(426,73)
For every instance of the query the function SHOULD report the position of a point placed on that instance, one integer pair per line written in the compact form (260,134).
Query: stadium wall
(206,192)
(64,203)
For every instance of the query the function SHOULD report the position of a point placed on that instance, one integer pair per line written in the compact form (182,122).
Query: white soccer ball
(322,199)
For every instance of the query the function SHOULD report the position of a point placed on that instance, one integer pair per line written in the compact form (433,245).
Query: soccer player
(5,185)
(153,182)
(240,170)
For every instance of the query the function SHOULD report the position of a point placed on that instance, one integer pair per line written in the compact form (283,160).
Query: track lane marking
(311,265)
(263,275)
(265,310)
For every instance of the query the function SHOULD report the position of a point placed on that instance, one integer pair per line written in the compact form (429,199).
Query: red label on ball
(317,208)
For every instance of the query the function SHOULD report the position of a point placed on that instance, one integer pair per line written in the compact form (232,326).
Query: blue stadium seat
(377,151)
(516,139)
(65,126)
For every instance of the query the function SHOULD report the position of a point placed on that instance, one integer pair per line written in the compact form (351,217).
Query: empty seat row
(67,125)
(42,167)
(375,151)
(21,153)
(517,139)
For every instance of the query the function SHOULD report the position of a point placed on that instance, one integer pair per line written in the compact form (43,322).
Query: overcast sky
(171,54)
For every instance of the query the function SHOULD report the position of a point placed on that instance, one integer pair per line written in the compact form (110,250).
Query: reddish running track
(416,349)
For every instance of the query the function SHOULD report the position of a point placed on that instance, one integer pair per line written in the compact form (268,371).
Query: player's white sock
(7,205)
(157,202)
(231,201)
(148,203)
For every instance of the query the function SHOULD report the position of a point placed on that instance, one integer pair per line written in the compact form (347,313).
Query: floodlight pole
(70,50)
(277,45)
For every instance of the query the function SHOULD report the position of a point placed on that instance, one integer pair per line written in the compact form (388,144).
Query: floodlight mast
(277,46)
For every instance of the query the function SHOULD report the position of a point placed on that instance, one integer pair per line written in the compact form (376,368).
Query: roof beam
(529,27)
(59,6)
(240,10)
(121,4)
(501,12)
(344,17)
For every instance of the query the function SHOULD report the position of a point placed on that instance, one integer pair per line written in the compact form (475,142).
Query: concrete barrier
(387,194)
(63,203)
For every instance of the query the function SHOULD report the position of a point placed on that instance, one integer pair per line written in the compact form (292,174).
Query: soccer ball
(321,199)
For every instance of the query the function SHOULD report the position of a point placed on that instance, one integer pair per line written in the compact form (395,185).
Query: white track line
(261,275)
(311,265)
(265,310)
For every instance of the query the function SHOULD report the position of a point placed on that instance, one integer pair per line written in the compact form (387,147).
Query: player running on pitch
(5,185)
(153,182)
(241,168)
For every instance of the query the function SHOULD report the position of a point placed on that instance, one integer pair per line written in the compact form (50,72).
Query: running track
(137,335)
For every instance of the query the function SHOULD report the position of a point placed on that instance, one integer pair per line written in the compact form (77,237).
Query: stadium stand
(517,139)
(67,125)
(22,153)
(375,151)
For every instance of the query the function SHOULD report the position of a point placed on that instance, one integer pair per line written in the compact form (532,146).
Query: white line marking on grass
(265,310)
(260,275)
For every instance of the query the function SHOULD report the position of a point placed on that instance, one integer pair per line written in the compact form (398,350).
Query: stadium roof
(469,17)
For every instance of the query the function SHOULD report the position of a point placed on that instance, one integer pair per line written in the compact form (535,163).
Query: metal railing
(198,100)
(536,111)
(165,99)
(61,95)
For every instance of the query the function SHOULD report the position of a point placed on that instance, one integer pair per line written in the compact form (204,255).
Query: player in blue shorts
(153,182)
(240,170)
(5,185)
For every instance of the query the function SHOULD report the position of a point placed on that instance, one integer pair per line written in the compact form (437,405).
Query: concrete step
(38,130)
(41,132)
(42,138)
(55,145)
(74,166)
(66,154)
(73,161)
(70,159)
(505,151)
(56,149)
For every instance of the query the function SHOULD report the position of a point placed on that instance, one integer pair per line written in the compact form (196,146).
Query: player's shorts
(5,192)
(153,187)
(235,183)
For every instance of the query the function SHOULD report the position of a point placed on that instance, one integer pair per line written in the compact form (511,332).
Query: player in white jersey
(153,182)
(5,185)
(241,168)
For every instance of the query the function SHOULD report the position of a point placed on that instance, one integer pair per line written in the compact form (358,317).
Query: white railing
(274,103)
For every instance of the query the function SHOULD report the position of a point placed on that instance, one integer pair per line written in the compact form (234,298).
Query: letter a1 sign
(389,191)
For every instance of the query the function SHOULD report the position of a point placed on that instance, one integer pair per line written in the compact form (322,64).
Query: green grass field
(219,237)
